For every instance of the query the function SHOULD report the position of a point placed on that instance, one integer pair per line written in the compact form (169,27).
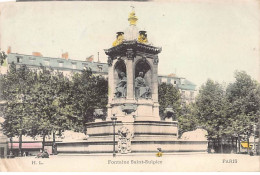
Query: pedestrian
(45,154)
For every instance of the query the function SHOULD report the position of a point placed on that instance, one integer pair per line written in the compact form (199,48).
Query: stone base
(146,109)
(147,137)
(137,147)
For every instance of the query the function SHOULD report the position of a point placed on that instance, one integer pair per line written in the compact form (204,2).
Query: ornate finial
(132,18)
(142,38)
(119,38)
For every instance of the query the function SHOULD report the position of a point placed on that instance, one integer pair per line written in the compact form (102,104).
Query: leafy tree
(187,120)
(88,92)
(244,97)
(169,96)
(48,90)
(15,87)
(60,122)
(211,109)
(2,57)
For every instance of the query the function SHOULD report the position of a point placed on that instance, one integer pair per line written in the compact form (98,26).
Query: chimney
(65,55)
(9,50)
(171,75)
(38,54)
(90,58)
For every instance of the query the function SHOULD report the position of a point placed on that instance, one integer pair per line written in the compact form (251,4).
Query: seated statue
(141,89)
(121,86)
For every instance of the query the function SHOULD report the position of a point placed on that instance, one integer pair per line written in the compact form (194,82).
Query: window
(100,68)
(164,80)
(19,59)
(46,62)
(60,64)
(85,65)
(74,66)
(173,81)
(31,59)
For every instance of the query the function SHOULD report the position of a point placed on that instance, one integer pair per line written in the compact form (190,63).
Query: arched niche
(118,69)
(144,67)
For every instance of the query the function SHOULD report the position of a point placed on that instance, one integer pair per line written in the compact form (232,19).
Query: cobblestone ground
(134,162)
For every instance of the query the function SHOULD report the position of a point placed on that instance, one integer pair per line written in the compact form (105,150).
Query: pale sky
(199,39)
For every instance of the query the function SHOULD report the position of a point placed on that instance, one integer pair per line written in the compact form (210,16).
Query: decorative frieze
(134,46)
(130,54)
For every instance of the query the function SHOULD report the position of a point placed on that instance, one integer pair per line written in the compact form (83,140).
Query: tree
(211,109)
(187,121)
(244,97)
(45,102)
(60,122)
(48,90)
(88,92)
(169,96)
(15,87)
(2,57)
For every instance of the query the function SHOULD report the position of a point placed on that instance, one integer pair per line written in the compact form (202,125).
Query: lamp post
(114,134)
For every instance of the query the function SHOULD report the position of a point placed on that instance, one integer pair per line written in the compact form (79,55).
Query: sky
(200,39)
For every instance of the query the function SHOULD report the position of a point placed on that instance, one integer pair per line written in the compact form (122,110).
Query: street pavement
(186,162)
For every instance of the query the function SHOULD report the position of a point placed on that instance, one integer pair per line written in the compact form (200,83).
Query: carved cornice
(135,46)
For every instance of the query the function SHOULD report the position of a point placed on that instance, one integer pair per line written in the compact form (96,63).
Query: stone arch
(119,67)
(144,66)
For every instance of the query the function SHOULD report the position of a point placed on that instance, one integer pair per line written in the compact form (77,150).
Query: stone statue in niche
(124,140)
(141,89)
(121,86)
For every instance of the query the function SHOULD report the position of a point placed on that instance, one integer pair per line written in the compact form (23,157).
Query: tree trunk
(43,142)
(11,141)
(232,145)
(214,145)
(221,145)
(85,129)
(247,144)
(53,143)
(238,144)
(20,145)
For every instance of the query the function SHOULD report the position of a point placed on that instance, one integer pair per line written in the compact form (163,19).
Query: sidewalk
(133,163)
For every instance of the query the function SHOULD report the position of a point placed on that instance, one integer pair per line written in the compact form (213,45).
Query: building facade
(67,66)
(186,87)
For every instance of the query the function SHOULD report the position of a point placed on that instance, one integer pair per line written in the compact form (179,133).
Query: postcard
(130,86)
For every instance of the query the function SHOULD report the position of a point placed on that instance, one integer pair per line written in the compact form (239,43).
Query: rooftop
(56,63)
